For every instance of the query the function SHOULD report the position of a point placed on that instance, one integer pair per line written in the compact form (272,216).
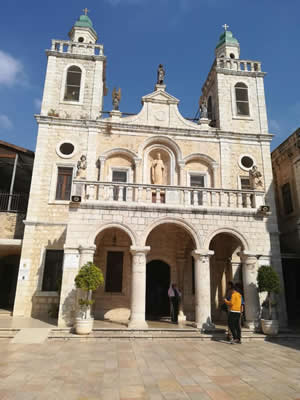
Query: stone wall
(11,225)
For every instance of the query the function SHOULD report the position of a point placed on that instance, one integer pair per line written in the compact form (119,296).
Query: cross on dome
(225,26)
(85,10)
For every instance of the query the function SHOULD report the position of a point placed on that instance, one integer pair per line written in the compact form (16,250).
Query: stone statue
(256,176)
(116,98)
(160,75)
(157,170)
(81,167)
(203,109)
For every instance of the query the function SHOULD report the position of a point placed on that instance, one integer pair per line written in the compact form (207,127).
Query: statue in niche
(116,98)
(81,167)
(256,176)
(157,170)
(160,75)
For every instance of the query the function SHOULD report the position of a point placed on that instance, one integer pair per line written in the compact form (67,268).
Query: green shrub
(89,278)
(268,281)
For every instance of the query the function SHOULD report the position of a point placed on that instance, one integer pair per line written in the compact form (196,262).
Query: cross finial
(225,26)
(85,10)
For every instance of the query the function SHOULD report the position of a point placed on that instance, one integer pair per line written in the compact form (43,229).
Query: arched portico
(232,261)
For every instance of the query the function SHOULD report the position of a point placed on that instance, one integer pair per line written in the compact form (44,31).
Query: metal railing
(16,202)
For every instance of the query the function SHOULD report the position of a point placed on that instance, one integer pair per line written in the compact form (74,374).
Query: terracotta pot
(270,326)
(84,326)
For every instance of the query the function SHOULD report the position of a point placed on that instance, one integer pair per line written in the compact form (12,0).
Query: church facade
(151,198)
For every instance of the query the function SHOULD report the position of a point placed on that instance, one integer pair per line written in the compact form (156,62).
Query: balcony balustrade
(171,196)
(67,46)
(238,65)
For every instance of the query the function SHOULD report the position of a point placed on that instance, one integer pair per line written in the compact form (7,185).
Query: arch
(229,231)
(119,150)
(187,227)
(64,83)
(209,160)
(112,224)
(163,140)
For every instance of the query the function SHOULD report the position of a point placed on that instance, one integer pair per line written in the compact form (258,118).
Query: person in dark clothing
(174,296)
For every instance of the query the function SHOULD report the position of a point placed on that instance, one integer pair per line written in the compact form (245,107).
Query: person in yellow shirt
(235,307)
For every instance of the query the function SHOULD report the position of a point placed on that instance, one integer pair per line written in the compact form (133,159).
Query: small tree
(89,278)
(268,281)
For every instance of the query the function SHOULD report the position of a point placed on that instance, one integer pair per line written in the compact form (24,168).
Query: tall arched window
(72,90)
(241,97)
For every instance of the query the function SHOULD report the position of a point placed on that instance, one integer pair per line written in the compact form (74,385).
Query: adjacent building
(16,165)
(286,170)
(151,198)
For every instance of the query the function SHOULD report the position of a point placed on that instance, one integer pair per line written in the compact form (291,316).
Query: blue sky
(137,36)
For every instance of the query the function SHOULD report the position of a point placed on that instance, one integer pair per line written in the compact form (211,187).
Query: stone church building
(151,198)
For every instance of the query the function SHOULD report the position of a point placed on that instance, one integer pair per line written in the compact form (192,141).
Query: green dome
(85,22)
(227,37)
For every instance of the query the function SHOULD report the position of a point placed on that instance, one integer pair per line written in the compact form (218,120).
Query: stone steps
(147,334)
(8,333)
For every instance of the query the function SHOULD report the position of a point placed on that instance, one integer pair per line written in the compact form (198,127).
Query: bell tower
(234,90)
(75,76)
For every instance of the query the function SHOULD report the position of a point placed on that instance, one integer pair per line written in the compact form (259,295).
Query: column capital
(202,253)
(249,257)
(87,249)
(136,249)
(102,158)
(181,163)
(71,250)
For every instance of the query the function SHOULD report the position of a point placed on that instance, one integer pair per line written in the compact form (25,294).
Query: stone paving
(146,370)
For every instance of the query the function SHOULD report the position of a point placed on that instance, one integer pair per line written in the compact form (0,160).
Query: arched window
(73,81)
(241,97)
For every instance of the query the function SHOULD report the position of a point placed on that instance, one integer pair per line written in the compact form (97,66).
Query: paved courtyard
(150,370)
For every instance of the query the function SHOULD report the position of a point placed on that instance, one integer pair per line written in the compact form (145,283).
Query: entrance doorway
(9,267)
(157,285)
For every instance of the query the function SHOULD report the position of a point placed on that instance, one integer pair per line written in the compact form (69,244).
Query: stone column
(91,173)
(138,287)
(202,289)
(252,307)
(181,262)
(102,164)
(73,259)
(182,180)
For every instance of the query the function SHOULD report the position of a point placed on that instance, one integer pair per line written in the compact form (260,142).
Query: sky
(137,36)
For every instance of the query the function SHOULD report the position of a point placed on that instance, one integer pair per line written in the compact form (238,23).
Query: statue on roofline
(160,74)
(116,98)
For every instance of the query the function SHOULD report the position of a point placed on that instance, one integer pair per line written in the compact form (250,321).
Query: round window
(232,55)
(66,149)
(247,162)
(81,39)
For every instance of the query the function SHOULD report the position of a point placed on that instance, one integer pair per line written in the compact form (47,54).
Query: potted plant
(268,281)
(88,279)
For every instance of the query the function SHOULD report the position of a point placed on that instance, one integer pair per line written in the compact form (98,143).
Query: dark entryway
(157,285)
(291,274)
(9,267)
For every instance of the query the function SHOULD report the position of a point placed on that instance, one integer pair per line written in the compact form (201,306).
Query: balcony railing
(239,65)
(177,196)
(17,202)
(67,46)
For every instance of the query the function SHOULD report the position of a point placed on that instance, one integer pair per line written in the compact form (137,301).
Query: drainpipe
(12,182)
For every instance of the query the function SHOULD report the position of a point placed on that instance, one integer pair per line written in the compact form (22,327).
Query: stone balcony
(139,195)
(69,47)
